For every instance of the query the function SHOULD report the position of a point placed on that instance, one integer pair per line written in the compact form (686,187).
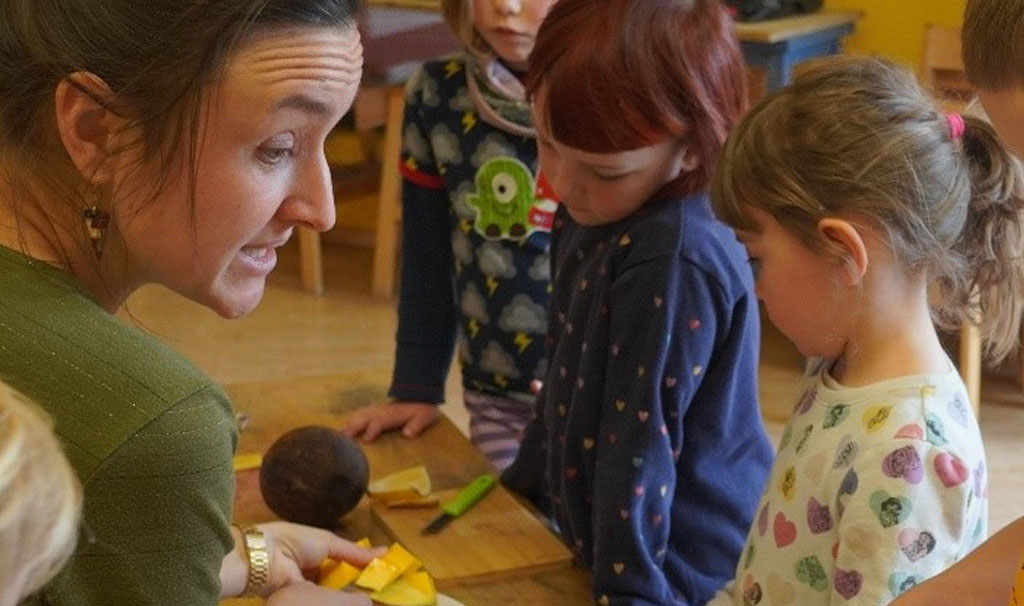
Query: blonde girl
(40,499)
(869,216)
(475,235)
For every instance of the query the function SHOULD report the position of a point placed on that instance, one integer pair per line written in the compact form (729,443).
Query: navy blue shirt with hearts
(648,427)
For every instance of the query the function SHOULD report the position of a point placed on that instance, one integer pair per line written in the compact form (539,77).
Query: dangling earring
(96,223)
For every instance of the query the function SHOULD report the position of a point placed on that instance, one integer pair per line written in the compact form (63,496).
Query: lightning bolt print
(492,285)
(522,341)
(474,329)
(451,68)
(501,381)
(468,122)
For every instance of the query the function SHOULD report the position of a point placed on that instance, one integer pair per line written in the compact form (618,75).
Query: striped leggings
(496,424)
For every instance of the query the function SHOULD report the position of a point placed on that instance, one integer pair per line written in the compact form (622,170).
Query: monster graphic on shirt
(503,199)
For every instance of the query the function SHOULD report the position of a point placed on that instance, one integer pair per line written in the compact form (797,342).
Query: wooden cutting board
(497,538)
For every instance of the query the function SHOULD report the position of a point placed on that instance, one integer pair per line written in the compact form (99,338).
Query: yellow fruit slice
(401,559)
(338,575)
(382,571)
(247,460)
(412,589)
(377,575)
(406,484)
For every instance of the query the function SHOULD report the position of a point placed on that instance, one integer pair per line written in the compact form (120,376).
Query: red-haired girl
(648,426)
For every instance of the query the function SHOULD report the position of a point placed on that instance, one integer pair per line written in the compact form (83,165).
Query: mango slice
(411,589)
(405,485)
(382,571)
(377,575)
(245,461)
(338,575)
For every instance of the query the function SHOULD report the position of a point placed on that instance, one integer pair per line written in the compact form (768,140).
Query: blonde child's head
(40,499)
(858,139)
(994,59)
(505,28)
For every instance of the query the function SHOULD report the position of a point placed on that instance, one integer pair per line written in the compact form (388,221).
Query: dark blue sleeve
(665,317)
(426,305)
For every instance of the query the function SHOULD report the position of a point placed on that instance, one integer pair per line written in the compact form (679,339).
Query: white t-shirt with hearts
(874,490)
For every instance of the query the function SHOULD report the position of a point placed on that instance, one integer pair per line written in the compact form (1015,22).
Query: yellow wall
(895,28)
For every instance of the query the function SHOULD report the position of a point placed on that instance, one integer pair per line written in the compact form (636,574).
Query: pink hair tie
(957,126)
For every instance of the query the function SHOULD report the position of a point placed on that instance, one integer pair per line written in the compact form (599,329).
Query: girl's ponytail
(992,240)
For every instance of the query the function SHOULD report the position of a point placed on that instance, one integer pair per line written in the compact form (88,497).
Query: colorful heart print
(951,470)
(819,518)
(751,592)
(784,531)
(787,436)
(958,411)
(901,582)
(904,463)
(803,438)
(912,431)
(762,520)
(916,544)
(846,490)
(890,510)
(935,431)
(809,571)
(848,583)
(780,592)
(876,417)
(787,486)
(806,401)
(980,485)
(835,416)
(846,452)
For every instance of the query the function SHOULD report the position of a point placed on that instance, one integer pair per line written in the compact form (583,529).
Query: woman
(176,142)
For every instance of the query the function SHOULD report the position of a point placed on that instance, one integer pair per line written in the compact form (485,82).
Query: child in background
(475,242)
(855,196)
(993,43)
(40,500)
(648,425)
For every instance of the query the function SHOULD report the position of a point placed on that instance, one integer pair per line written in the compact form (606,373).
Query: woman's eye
(273,155)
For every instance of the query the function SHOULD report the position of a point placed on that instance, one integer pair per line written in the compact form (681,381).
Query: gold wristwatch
(259,560)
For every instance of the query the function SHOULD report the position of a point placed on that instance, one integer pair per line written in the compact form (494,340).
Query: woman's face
(260,171)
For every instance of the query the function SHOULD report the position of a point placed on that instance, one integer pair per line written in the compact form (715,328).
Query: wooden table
(776,45)
(278,406)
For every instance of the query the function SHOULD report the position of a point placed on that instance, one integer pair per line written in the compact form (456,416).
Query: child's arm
(984,578)
(426,309)
(663,525)
(895,532)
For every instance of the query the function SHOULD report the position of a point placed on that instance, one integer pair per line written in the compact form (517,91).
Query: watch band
(259,560)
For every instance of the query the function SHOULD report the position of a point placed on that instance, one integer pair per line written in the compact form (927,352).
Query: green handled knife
(466,498)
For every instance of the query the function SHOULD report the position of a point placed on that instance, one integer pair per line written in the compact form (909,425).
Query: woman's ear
(847,242)
(86,124)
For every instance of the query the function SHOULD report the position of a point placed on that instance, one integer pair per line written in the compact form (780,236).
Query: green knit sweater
(149,435)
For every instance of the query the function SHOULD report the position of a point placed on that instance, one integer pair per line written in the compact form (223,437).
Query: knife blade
(467,497)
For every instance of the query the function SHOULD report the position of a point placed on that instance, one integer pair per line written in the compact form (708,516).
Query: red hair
(622,74)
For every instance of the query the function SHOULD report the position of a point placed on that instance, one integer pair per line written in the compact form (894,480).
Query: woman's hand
(306,594)
(411,417)
(296,552)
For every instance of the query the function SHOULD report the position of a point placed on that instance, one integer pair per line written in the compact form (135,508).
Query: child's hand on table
(412,418)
